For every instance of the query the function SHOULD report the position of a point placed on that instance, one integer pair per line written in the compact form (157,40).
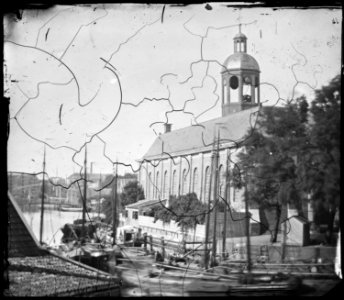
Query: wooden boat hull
(71,209)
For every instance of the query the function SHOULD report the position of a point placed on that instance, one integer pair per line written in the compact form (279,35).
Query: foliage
(186,210)
(106,208)
(320,164)
(268,163)
(132,192)
(294,151)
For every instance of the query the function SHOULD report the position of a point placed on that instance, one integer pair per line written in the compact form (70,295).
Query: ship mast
(207,220)
(42,202)
(114,208)
(248,242)
(216,177)
(83,235)
(100,193)
(227,205)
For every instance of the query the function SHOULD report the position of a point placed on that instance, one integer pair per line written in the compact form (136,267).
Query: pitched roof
(199,138)
(21,240)
(51,275)
(34,271)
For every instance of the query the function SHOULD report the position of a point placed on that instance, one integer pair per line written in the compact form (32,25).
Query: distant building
(97,186)
(25,188)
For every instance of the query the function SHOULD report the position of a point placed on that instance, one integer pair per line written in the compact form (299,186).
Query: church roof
(199,138)
(240,60)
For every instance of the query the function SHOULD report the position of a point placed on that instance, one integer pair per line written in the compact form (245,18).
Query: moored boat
(70,208)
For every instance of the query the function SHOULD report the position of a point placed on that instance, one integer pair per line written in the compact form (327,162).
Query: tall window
(184,182)
(165,191)
(195,181)
(174,182)
(157,191)
(206,183)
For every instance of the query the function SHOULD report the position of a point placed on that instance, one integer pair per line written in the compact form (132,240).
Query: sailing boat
(80,240)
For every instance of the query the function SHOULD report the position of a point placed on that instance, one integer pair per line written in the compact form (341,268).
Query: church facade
(180,161)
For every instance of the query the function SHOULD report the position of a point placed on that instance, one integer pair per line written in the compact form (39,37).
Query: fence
(170,231)
(151,244)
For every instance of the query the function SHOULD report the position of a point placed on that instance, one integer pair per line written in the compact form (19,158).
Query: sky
(110,75)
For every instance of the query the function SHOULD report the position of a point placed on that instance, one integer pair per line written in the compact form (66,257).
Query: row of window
(154,190)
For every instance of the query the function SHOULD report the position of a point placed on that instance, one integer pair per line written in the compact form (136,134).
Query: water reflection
(53,221)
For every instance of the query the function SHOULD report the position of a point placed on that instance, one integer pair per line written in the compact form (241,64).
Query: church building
(179,161)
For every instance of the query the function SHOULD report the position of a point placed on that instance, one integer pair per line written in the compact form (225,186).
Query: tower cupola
(240,78)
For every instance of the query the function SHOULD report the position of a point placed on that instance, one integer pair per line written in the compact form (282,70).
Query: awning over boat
(142,204)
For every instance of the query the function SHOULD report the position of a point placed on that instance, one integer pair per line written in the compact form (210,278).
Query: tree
(132,192)
(267,165)
(106,208)
(186,210)
(320,164)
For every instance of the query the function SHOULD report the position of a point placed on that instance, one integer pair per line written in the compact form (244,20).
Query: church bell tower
(240,78)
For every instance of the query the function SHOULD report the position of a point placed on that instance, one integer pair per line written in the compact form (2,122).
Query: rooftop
(34,271)
(199,138)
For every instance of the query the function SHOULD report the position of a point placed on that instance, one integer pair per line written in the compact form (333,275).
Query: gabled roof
(199,138)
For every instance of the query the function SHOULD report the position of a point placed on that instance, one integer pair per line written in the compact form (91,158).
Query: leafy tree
(186,210)
(106,208)
(320,160)
(295,151)
(132,192)
(267,166)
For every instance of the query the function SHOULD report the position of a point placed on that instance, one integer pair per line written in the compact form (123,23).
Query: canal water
(53,221)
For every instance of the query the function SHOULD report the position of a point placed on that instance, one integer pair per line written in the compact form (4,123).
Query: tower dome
(240,60)
(240,78)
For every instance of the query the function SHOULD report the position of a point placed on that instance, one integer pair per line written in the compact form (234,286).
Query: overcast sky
(64,93)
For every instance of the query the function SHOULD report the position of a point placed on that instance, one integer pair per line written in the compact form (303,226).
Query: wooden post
(283,246)
(145,241)
(184,246)
(151,243)
(163,247)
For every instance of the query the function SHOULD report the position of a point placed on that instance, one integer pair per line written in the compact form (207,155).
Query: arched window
(174,182)
(234,82)
(206,183)
(157,191)
(195,181)
(184,182)
(165,186)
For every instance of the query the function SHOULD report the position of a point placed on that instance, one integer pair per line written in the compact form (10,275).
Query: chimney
(167,127)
